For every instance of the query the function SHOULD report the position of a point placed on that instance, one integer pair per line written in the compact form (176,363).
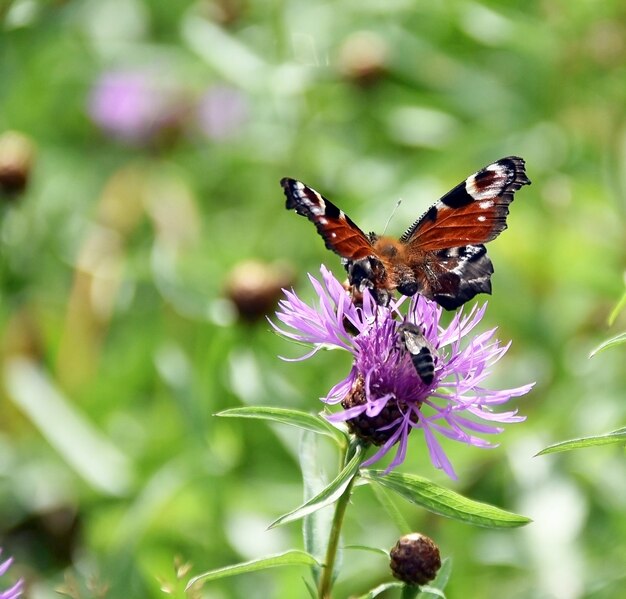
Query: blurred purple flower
(16,590)
(383,394)
(222,111)
(135,106)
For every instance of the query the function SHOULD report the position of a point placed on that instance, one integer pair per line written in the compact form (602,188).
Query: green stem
(409,592)
(326,580)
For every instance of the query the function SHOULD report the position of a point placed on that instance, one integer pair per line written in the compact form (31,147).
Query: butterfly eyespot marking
(440,256)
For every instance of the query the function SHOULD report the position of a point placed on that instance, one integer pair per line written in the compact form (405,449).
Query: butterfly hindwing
(454,276)
(339,232)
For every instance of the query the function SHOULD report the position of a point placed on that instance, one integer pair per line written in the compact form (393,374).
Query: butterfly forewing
(474,212)
(339,232)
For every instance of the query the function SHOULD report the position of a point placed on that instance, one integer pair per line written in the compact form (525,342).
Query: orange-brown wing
(474,212)
(340,234)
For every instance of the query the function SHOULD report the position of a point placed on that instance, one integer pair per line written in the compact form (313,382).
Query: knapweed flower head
(383,397)
(16,590)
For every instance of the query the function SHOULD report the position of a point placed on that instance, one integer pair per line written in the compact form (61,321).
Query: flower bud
(17,153)
(363,58)
(415,559)
(254,287)
(373,429)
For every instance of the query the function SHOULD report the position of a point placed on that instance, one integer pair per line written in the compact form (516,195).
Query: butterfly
(441,255)
(423,354)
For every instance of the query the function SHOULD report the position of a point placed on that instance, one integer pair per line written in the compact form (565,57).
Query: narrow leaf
(293,557)
(381,589)
(618,436)
(444,502)
(435,589)
(310,588)
(315,526)
(328,496)
(428,592)
(303,420)
(377,550)
(392,509)
(617,340)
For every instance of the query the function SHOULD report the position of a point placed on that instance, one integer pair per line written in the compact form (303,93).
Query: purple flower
(135,106)
(16,590)
(383,397)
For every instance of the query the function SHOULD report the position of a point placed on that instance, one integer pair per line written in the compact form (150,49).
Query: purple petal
(5,565)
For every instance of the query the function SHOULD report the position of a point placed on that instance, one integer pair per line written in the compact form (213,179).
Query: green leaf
(617,340)
(435,589)
(444,502)
(310,588)
(377,550)
(303,420)
(392,509)
(294,557)
(381,589)
(618,436)
(431,593)
(315,526)
(328,495)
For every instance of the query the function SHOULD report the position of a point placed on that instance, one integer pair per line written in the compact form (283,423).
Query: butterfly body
(441,255)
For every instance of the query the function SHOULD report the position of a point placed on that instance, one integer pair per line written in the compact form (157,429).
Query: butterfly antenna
(391,215)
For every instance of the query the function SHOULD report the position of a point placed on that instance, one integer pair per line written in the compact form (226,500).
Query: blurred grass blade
(381,589)
(435,589)
(328,495)
(94,457)
(303,420)
(444,502)
(617,340)
(293,557)
(615,312)
(618,436)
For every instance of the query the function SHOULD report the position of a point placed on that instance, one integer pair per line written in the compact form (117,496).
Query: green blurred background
(141,147)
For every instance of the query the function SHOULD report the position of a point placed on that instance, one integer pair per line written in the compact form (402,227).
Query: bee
(423,354)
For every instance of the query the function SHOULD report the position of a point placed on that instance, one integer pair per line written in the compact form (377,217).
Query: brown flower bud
(255,288)
(17,152)
(372,429)
(363,58)
(415,559)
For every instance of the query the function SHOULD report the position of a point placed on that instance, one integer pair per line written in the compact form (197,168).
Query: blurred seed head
(224,12)
(17,154)
(254,287)
(363,58)
(415,559)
